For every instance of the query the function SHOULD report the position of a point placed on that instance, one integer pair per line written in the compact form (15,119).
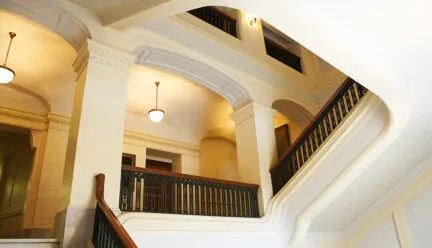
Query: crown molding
(22,119)
(104,55)
(140,139)
(58,122)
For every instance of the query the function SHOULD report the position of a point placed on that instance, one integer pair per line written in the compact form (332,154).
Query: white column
(95,138)
(256,147)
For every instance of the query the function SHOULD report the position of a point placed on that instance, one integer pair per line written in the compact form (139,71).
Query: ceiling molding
(196,71)
(52,16)
(22,119)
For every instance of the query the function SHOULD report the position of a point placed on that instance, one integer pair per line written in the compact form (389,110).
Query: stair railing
(107,230)
(334,112)
(147,190)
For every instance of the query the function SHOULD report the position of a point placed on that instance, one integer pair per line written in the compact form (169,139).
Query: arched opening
(290,121)
(196,136)
(16,160)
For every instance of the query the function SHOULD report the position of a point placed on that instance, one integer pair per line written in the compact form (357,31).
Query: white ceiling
(110,6)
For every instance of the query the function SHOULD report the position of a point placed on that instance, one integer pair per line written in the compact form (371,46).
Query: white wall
(405,218)
(383,236)
(419,216)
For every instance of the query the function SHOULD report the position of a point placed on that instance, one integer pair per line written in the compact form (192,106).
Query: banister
(112,220)
(345,98)
(186,176)
(155,191)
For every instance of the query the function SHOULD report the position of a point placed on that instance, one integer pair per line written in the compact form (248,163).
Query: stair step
(29,243)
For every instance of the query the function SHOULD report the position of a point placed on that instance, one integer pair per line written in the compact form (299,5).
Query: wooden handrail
(112,219)
(312,123)
(185,176)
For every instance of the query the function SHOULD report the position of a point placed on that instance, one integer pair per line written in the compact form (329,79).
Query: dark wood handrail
(112,219)
(185,176)
(312,123)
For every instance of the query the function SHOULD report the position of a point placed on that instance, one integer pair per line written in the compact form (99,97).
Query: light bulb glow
(6,75)
(156,115)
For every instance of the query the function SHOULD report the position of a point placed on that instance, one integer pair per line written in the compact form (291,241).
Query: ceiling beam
(137,13)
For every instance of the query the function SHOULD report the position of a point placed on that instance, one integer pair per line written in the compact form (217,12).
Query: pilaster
(95,142)
(256,147)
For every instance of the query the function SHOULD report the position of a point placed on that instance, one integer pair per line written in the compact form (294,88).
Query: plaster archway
(192,69)
(52,16)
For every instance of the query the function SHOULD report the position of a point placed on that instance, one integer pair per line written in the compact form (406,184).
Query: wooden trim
(129,155)
(184,176)
(112,219)
(312,123)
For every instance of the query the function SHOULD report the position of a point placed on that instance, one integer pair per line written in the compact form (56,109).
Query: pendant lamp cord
(11,35)
(157,93)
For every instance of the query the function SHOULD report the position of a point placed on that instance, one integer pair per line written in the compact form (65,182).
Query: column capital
(251,111)
(104,55)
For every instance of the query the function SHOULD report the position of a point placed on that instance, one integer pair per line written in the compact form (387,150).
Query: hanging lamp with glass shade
(156,115)
(6,73)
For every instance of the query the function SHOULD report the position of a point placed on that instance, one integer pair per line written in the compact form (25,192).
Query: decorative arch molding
(52,16)
(192,69)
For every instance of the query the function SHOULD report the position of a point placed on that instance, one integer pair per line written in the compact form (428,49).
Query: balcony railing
(217,19)
(146,190)
(283,55)
(322,126)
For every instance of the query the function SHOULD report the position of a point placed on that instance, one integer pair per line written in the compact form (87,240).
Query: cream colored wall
(218,159)
(293,128)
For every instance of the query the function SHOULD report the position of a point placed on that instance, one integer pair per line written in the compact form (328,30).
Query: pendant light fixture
(6,73)
(156,115)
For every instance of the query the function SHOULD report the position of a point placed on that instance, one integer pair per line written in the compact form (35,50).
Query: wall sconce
(253,21)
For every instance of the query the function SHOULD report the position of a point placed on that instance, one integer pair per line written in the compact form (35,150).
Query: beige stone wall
(218,159)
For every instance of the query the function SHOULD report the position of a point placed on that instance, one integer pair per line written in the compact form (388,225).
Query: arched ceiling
(41,59)
(193,112)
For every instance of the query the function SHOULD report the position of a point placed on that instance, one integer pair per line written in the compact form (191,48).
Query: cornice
(22,119)
(109,57)
(103,55)
(243,114)
(140,139)
(251,110)
(58,122)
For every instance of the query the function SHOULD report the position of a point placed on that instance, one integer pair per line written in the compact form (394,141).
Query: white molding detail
(53,16)
(104,55)
(249,111)
(200,73)
(22,119)
(243,114)
(109,56)
(58,122)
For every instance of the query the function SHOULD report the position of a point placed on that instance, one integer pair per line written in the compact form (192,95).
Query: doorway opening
(16,160)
